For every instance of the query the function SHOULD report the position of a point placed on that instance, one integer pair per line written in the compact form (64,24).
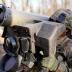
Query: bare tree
(13,5)
(24,4)
(54,4)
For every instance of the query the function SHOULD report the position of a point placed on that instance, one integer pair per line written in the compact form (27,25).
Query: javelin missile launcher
(36,43)
(10,17)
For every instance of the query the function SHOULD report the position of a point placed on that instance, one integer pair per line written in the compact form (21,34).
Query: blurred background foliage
(43,7)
